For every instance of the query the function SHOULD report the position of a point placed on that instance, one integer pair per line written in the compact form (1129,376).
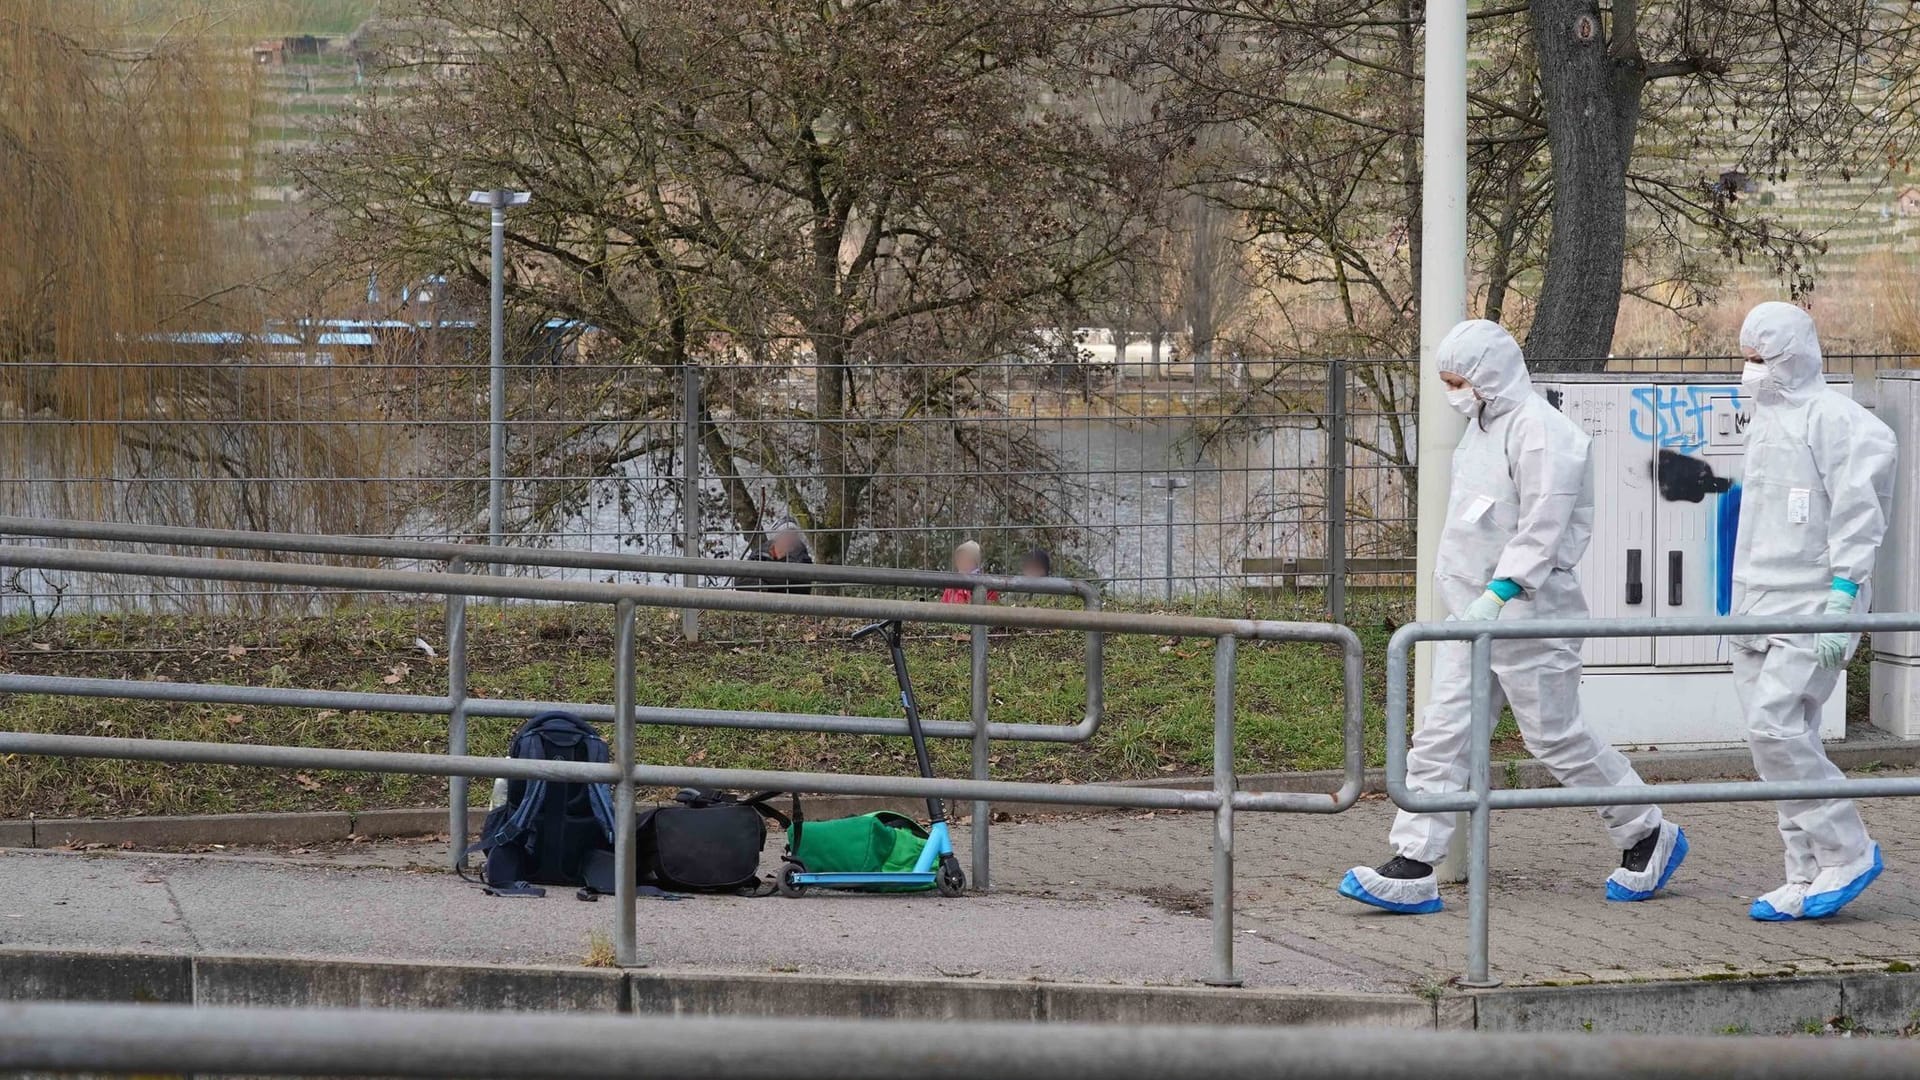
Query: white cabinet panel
(1697,461)
(1614,572)
(1896,572)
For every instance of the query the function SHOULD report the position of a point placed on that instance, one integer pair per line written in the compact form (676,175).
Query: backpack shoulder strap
(759,802)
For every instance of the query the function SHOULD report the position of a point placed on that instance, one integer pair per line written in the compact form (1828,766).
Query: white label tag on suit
(1476,509)
(1799,506)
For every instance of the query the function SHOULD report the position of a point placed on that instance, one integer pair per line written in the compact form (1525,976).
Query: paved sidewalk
(1101,898)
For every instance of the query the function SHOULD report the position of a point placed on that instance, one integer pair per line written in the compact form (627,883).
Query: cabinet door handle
(1674,590)
(1636,589)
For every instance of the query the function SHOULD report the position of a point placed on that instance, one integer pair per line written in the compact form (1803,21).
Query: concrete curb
(392,823)
(65,974)
(189,830)
(1655,767)
(1883,1003)
(1875,1002)
(197,830)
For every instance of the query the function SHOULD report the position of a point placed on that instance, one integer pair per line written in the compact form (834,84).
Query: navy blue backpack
(547,832)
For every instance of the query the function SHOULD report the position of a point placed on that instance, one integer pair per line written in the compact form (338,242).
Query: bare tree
(1584,116)
(128,290)
(1214,285)
(876,194)
(1775,85)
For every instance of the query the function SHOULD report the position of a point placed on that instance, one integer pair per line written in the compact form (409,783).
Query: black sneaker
(1401,868)
(1636,858)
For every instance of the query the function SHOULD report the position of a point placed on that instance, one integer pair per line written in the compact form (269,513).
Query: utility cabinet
(1896,576)
(1667,453)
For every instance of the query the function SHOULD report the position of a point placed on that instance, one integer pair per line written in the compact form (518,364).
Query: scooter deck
(847,880)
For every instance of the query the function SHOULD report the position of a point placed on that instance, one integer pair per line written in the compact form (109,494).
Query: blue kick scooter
(937,866)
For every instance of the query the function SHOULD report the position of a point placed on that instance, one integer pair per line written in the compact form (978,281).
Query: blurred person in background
(966,560)
(785,544)
(1036,563)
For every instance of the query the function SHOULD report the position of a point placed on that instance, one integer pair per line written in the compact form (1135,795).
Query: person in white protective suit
(1817,495)
(1519,516)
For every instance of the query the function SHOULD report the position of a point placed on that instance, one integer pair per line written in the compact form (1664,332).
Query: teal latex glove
(1487,606)
(1831,649)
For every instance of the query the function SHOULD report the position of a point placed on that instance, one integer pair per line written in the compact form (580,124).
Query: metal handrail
(1480,800)
(977,727)
(199,1040)
(481,554)
(1223,799)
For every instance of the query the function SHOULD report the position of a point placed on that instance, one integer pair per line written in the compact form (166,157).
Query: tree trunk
(1156,342)
(1202,305)
(1505,236)
(1592,102)
(719,457)
(829,414)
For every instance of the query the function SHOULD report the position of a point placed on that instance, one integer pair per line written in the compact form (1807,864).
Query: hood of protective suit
(1784,337)
(1484,354)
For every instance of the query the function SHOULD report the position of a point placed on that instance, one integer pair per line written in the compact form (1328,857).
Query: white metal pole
(1443,304)
(1169,520)
(497,397)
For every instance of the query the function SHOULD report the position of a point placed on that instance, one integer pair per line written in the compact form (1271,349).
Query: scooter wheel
(786,884)
(953,880)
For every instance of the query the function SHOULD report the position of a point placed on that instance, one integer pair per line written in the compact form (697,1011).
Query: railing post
(456,720)
(982,749)
(1223,786)
(625,866)
(1096,663)
(1336,491)
(1480,780)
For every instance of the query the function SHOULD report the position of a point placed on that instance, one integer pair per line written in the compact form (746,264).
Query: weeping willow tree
(134,381)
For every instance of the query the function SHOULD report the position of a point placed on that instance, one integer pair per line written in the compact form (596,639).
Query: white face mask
(1759,380)
(1464,401)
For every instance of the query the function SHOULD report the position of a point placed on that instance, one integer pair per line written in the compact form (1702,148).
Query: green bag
(866,844)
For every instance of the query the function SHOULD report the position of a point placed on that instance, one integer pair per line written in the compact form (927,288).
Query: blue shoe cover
(1352,888)
(1829,900)
(1625,886)
(1787,903)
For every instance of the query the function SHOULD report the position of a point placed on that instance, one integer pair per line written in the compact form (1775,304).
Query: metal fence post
(1480,780)
(1223,786)
(982,811)
(625,866)
(690,489)
(1172,484)
(1336,491)
(456,719)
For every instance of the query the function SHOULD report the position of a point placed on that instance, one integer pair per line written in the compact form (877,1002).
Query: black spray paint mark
(1684,478)
(1555,398)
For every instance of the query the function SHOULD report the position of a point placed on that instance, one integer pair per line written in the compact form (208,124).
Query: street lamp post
(1444,273)
(497,200)
(1172,484)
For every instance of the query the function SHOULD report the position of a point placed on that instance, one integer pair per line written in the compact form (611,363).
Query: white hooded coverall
(1521,507)
(1817,492)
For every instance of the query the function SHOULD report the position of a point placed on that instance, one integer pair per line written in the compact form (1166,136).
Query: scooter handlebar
(871,629)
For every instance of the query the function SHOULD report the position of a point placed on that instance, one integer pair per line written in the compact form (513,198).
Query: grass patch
(600,952)
(1158,692)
